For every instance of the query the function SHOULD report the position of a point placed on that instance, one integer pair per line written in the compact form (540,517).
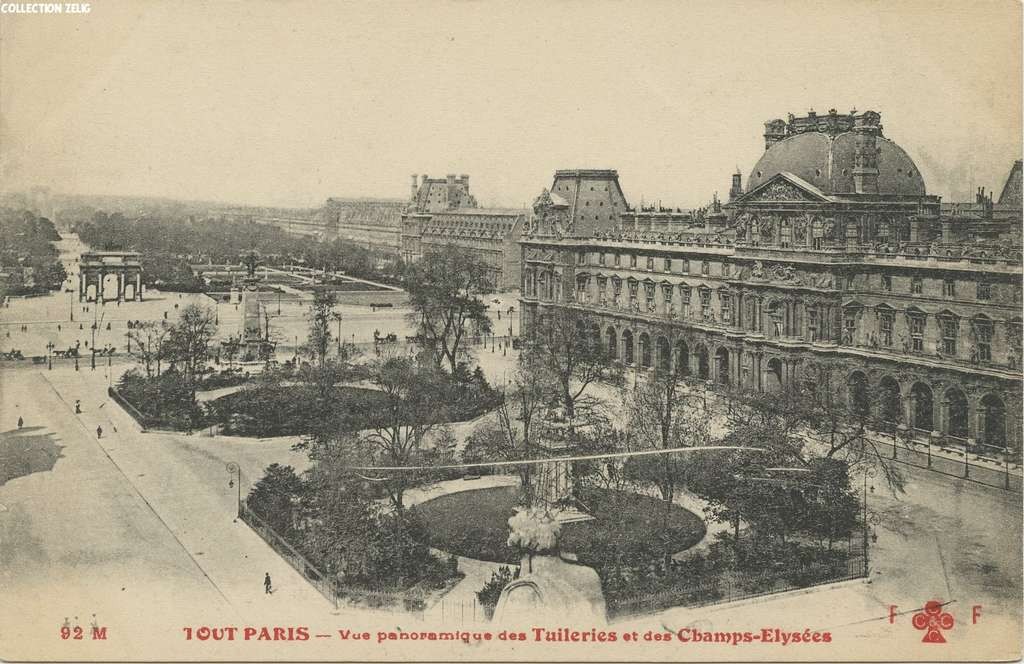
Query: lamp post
(234,469)
(49,355)
(337,317)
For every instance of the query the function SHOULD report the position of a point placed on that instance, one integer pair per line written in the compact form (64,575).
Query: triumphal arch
(109,275)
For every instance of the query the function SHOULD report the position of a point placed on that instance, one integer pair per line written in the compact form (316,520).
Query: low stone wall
(366,298)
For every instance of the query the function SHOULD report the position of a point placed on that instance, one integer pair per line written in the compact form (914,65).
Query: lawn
(475,524)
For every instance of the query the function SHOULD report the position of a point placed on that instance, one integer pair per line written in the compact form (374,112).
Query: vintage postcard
(488,331)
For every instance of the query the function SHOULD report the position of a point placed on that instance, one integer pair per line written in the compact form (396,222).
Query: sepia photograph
(468,330)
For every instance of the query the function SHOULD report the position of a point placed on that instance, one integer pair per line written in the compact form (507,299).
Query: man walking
(266,584)
(99,432)
(21,422)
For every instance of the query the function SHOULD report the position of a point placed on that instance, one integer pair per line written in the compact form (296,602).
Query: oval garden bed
(626,526)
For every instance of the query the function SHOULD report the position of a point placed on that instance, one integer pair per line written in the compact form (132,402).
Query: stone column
(138,286)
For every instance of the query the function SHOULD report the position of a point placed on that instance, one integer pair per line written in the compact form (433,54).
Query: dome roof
(827,163)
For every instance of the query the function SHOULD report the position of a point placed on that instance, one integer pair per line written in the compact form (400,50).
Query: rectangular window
(618,260)
(916,286)
(849,327)
(616,291)
(668,265)
(726,269)
(684,300)
(849,282)
(983,332)
(600,258)
(984,290)
(887,283)
(917,334)
(649,293)
(632,260)
(726,300)
(582,288)
(602,291)
(670,302)
(949,288)
(705,267)
(650,263)
(949,335)
(885,324)
(812,323)
(581,258)
(705,304)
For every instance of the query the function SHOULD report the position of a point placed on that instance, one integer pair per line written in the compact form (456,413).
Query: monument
(548,587)
(109,275)
(255,343)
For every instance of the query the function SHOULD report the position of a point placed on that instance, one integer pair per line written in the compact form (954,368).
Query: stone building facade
(833,256)
(442,211)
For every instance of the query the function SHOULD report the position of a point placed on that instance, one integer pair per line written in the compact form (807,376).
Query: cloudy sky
(286,103)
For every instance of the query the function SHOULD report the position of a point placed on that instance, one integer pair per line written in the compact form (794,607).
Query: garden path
(459,605)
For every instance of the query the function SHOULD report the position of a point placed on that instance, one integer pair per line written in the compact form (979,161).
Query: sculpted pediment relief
(781,190)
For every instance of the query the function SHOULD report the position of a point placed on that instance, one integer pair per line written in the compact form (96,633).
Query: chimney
(414,187)
(464,179)
(774,131)
(865,154)
(736,190)
(450,178)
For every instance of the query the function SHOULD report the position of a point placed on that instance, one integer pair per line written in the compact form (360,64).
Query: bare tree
(512,435)
(415,406)
(444,292)
(566,345)
(149,337)
(189,341)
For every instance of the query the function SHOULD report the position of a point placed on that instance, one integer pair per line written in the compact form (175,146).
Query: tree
(320,316)
(148,349)
(510,436)
(444,292)
(275,496)
(662,413)
(416,404)
(567,346)
(189,342)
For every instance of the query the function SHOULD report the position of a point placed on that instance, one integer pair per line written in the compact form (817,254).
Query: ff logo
(933,620)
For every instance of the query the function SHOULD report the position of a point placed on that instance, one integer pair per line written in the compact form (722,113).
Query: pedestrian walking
(99,432)
(78,407)
(266,584)
(21,422)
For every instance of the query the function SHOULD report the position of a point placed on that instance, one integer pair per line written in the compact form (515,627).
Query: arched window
(922,400)
(890,407)
(627,346)
(645,350)
(956,413)
(993,418)
(857,389)
(682,358)
(722,365)
(613,343)
(664,355)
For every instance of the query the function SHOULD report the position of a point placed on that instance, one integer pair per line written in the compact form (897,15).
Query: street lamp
(235,469)
(49,355)
(337,316)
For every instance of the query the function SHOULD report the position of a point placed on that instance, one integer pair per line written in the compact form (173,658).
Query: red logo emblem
(933,620)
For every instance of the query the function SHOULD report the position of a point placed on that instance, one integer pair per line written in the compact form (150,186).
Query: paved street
(140,530)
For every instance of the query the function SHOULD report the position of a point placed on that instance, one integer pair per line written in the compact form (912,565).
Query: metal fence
(988,465)
(323,583)
(733,585)
(326,585)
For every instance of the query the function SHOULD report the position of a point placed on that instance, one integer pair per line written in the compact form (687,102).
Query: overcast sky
(286,103)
